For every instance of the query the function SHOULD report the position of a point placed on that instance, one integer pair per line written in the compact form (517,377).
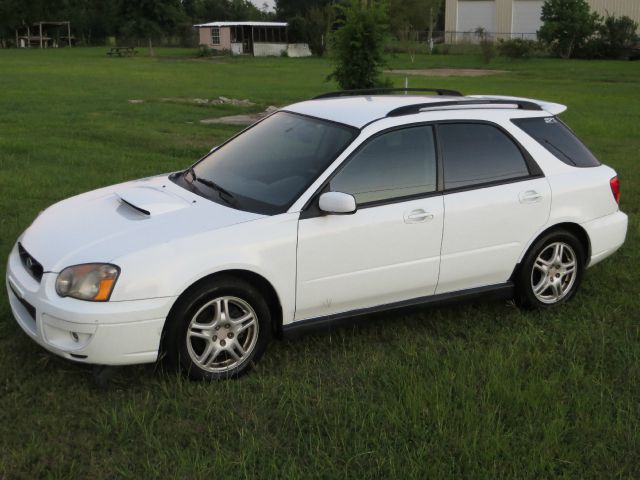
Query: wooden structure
(37,35)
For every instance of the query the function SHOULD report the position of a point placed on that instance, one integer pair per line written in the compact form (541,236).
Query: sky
(258,3)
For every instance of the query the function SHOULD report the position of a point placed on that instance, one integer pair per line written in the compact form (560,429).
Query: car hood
(105,224)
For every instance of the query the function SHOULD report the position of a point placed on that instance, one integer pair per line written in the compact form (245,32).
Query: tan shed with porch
(250,38)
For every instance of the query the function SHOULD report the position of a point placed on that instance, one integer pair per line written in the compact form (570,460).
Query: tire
(543,281)
(218,330)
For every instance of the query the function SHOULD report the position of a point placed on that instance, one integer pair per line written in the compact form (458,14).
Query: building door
(526,18)
(474,14)
(247,40)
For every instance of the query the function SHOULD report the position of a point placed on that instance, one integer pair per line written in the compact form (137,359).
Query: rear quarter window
(558,139)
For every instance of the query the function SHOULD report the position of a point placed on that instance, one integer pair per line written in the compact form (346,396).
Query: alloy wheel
(554,272)
(222,334)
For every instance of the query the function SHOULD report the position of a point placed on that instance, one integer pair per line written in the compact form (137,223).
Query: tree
(314,28)
(151,18)
(91,20)
(286,9)
(12,13)
(411,15)
(568,24)
(214,10)
(358,44)
(319,21)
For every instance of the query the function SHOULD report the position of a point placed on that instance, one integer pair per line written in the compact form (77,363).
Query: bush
(617,36)
(442,49)
(488,49)
(517,48)
(358,45)
(614,39)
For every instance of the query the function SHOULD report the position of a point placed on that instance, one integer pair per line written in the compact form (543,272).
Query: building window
(215,36)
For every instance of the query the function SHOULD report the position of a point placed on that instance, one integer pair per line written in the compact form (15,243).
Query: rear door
(495,200)
(389,250)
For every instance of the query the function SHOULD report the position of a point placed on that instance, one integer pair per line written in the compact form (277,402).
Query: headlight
(91,281)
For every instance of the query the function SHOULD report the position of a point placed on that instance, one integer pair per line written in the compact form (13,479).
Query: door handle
(417,216)
(530,196)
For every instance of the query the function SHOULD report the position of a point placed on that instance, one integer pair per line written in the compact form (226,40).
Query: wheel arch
(571,227)
(256,280)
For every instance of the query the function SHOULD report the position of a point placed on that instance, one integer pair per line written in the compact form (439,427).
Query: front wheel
(219,330)
(552,271)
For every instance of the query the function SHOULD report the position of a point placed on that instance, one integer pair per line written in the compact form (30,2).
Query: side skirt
(301,327)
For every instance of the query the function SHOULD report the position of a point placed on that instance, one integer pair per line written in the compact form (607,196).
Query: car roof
(361,110)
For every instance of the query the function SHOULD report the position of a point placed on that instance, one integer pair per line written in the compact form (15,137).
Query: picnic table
(122,52)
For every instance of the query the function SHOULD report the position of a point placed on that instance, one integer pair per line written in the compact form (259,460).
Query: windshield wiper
(214,186)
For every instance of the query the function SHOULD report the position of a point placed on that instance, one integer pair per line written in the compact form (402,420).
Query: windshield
(267,167)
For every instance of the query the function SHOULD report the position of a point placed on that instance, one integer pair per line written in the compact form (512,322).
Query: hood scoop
(151,201)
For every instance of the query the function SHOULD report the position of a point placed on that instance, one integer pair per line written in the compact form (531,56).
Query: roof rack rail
(418,107)
(382,91)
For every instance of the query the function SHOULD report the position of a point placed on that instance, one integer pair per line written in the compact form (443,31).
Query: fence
(477,36)
(454,37)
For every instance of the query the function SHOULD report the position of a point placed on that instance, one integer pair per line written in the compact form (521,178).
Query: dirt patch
(247,119)
(449,72)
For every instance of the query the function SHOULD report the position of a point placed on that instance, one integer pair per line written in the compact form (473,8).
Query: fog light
(75,337)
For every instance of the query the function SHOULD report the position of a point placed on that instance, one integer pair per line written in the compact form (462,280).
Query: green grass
(480,390)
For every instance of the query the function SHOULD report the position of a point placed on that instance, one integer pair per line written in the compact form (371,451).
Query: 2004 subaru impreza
(329,208)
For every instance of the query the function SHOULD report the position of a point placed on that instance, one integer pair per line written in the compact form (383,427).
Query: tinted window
(554,135)
(267,167)
(395,164)
(475,153)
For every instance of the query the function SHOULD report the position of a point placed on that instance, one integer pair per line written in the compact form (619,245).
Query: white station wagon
(350,203)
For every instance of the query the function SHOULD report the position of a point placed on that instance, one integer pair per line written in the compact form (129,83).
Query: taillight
(615,188)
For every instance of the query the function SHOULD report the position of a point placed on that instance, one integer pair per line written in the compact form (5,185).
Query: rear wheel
(552,270)
(219,330)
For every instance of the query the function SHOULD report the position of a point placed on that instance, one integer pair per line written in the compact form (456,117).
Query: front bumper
(107,333)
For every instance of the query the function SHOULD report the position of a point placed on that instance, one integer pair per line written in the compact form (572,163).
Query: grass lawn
(481,390)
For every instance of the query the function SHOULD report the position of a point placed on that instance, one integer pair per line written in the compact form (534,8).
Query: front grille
(27,306)
(31,264)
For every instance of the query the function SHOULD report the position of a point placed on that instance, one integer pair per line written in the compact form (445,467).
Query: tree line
(94,21)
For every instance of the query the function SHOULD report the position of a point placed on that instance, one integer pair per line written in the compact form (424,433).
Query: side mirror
(337,203)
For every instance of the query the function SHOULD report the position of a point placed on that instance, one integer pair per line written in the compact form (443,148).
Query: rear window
(556,137)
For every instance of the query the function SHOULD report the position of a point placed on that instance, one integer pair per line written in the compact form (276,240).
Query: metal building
(514,18)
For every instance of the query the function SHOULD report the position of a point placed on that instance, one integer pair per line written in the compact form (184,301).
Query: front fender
(266,247)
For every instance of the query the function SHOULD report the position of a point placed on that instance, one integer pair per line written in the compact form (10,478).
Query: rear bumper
(109,333)
(607,234)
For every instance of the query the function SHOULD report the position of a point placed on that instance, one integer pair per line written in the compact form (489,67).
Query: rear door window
(558,139)
(477,154)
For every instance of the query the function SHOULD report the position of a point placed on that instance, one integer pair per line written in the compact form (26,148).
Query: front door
(389,250)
